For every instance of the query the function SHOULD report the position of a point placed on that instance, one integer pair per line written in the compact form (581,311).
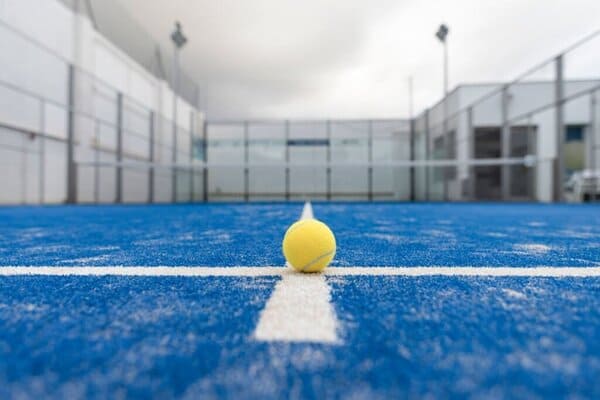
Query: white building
(474,130)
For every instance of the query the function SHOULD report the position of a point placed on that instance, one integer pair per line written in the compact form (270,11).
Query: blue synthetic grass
(250,235)
(428,337)
(415,337)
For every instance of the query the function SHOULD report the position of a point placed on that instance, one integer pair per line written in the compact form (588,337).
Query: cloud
(352,58)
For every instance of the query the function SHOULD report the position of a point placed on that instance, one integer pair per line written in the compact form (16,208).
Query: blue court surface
(395,335)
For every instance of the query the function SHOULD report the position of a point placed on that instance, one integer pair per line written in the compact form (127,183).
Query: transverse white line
(300,309)
(158,271)
(281,271)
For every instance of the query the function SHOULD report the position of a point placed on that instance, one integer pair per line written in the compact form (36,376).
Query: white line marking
(300,309)
(307,211)
(199,272)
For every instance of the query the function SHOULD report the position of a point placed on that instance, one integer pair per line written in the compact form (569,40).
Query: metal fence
(75,138)
(550,111)
(56,132)
(292,160)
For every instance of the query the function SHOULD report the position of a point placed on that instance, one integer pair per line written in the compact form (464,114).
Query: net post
(328,128)
(246,169)
(471,153)
(412,158)
(152,158)
(205,156)
(71,167)
(119,180)
(560,129)
(287,160)
(370,155)
(505,146)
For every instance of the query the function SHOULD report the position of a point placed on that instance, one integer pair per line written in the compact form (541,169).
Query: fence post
(119,180)
(192,171)
(246,170)
(559,164)
(445,147)
(328,172)
(470,154)
(505,146)
(370,160)
(174,156)
(593,131)
(205,156)
(412,158)
(427,156)
(71,167)
(152,159)
(42,157)
(287,160)
(96,160)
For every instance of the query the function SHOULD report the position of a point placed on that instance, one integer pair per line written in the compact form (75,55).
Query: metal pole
(179,40)
(246,169)
(287,160)
(471,154)
(445,68)
(412,158)
(175,85)
(42,158)
(328,127)
(119,180)
(205,156)
(593,132)
(71,166)
(152,159)
(560,132)
(192,171)
(412,139)
(505,146)
(370,156)
(427,155)
(97,159)
(445,123)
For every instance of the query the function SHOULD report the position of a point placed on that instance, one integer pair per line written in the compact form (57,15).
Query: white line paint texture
(300,309)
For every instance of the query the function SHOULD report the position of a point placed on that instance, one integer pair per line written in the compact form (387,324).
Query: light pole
(179,40)
(442,34)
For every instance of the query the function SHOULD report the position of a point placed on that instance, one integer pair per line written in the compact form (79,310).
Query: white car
(583,186)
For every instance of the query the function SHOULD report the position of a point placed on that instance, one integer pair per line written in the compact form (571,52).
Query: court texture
(195,301)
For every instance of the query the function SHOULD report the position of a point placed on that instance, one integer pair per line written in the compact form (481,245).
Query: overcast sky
(353,58)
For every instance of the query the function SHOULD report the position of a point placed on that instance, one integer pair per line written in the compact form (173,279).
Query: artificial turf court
(192,301)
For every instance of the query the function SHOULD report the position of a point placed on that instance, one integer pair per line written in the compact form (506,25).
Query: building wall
(524,108)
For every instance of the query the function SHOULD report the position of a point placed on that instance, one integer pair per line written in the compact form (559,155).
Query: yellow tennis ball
(309,245)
